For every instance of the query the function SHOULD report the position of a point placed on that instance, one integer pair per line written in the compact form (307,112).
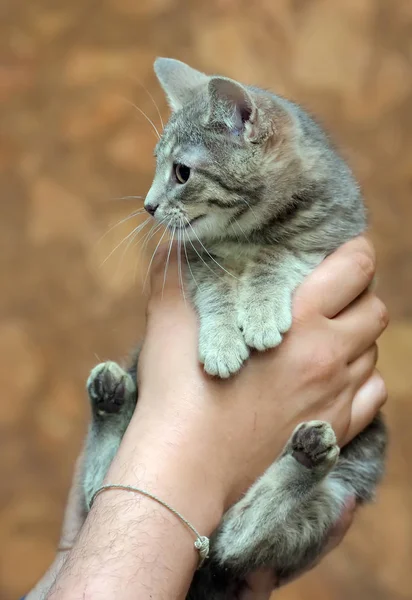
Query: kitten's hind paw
(313,444)
(109,388)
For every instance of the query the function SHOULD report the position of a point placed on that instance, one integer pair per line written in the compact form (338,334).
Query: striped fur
(266,200)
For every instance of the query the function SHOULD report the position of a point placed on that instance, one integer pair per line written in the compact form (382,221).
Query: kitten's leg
(222,348)
(362,461)
(283,520)
(266,294)
(113,395)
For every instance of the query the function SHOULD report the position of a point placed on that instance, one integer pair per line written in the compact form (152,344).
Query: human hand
(324,369)
(204,441)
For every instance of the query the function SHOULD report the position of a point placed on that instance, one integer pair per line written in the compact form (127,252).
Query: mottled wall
(73,142)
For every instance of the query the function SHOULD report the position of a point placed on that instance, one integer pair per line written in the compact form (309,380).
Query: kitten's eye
(182,172)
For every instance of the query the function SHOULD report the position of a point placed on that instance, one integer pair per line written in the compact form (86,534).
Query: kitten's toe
(222,354)
(109,388)
(261,336)
(283,316)
(264,323)
(313,444)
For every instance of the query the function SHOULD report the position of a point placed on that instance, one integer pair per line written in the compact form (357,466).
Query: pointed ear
(178,80)
(232,104)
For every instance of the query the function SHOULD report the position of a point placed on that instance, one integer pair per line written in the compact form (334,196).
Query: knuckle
(381,392)
(375,352)
(366,246)
(366,264)
(301,310)
(382,312)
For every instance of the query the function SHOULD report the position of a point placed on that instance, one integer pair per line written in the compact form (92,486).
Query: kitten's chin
(188,225)
(199,229)
(195,220)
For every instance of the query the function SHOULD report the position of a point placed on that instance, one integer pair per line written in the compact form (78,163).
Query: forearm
(40,590)
(132,547)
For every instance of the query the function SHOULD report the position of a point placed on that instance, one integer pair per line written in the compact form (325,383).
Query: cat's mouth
(189,224)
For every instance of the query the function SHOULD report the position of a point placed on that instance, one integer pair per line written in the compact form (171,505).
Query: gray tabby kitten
(254,185)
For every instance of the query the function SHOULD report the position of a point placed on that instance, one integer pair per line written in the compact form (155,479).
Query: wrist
(172,462)
(145,544)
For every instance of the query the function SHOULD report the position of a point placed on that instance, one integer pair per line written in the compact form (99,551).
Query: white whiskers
(167,260)
(243,233)
(187,259)
(254,214)
(208,253)
(153,230)
(153,102)
(235,232)
(150,96)
(179,261)
(148,119)
(134,232)
(201,258)
(130,198)
(144,241)
(136,213)
(153,255)
(131,240)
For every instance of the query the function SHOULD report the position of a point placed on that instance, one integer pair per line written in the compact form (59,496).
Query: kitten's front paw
(109,388)
(313,444)
(222,351)
(263,325)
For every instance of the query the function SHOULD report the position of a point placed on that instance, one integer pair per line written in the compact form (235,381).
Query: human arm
(128,545)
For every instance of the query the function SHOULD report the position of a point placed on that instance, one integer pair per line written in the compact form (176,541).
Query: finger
(167,295)
(367,402)
(362,368)
(361,324)
(338,280)
(164,271)
(252,594)
(259,585)
(171,317)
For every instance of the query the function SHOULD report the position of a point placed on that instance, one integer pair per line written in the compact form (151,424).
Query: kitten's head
(223,149)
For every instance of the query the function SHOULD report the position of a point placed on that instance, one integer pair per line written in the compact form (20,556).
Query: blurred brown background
(72,142)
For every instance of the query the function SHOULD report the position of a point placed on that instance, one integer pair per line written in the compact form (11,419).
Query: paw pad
(314,443)
(107,387)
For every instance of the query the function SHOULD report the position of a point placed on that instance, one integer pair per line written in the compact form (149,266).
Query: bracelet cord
(202,542)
